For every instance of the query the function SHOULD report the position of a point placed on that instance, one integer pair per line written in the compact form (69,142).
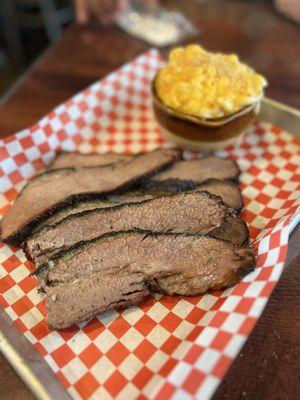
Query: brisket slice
(119,269)
(133,197)
(77,160)
(195,212)
(94,295)
(85,205)
(228,191)
(71,209)
(186,175)
(53,190)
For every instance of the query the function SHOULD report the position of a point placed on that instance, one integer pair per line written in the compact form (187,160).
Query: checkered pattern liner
(169,347)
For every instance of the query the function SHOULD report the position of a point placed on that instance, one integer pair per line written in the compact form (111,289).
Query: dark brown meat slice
(96,295)
(54,189)
(77,160)
(71,210)
(228,191)
(133,197)
(117,270)
(85,205)
(196,212)
(186,175)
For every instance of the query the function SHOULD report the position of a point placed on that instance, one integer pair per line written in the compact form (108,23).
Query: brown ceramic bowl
(195,133)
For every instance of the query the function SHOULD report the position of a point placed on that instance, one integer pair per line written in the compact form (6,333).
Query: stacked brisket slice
(105,230)
(192,212)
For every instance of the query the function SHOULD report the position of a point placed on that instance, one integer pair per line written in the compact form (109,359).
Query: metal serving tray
(26,360)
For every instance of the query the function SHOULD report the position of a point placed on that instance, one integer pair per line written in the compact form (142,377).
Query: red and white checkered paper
(169,347)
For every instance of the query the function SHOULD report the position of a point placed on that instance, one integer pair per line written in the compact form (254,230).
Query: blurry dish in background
(290,8)
(155,25)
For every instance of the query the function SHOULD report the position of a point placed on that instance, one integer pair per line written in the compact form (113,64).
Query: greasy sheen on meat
(195,212)
(79,160)
(119,269)
(186,175)
(52,190)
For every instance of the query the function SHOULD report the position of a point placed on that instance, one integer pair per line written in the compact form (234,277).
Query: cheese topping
(207,85)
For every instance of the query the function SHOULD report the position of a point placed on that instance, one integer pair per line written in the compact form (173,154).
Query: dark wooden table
(268,366)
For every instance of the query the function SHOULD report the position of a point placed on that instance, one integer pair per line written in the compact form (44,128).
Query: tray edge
(28,363)
(22,355)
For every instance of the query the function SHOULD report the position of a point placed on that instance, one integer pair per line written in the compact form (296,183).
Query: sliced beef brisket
(71,209)
(186,175)
(119,269)
(71,303)
(228,191)
(55,189)
(195,212)
(78,160)
(133,197)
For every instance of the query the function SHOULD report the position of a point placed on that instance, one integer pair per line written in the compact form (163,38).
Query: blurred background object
(27,27)
(290,8)
(154,24)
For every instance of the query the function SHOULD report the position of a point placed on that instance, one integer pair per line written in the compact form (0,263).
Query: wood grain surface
(268,366)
